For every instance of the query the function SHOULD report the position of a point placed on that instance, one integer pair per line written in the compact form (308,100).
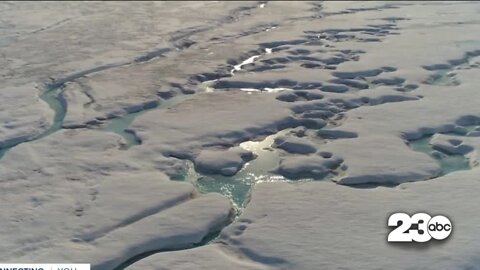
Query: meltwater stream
(49,96)
(119,125)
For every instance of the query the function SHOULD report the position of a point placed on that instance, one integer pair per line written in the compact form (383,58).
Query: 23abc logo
(420,227)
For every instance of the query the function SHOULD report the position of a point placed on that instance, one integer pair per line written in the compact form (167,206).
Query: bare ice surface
(258,135)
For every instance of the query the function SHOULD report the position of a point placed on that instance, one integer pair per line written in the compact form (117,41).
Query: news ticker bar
(44,266)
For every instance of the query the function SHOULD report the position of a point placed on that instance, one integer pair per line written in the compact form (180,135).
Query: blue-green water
(448,163)
(445,77)
(238,187)
(49,96)
(120,126)
(2,152)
